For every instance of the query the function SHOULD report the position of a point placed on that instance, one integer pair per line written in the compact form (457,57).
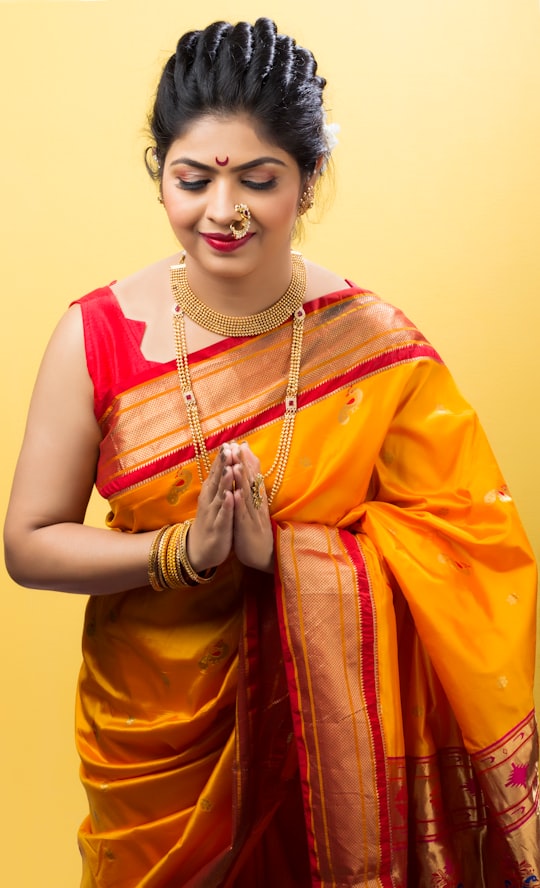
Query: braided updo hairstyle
(228,69)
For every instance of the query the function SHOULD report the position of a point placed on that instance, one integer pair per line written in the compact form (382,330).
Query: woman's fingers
(253,538)
(248,481)
(210,537)
(219,479)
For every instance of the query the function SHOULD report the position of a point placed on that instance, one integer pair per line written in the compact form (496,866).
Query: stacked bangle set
(168,564)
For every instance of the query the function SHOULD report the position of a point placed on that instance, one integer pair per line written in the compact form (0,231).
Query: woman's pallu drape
(366,716)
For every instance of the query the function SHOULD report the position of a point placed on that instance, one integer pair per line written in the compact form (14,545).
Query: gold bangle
(161,557)
(184,563)
(184,527)
(168,564)
(175,578)
(154,577)
(181,556)
(163,548)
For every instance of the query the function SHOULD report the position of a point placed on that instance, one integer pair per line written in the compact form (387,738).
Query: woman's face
(220,162)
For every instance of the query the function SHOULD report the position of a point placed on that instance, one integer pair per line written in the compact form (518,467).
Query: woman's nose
(221,201)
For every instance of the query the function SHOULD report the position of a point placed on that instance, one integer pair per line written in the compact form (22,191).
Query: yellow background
(436,208)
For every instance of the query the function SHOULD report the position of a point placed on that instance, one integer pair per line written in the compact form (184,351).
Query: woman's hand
(227,517)
(210,538)
(253,540)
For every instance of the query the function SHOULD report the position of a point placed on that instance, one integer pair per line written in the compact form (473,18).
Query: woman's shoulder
(322,281)
(374,314)
(132,291)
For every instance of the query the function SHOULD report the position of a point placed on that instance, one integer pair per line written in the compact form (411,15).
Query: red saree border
(365,853)
(144,369)
(292,680)
(181,455)
(369,668)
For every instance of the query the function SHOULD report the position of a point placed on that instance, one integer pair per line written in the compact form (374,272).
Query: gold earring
(239,228)
(307,201)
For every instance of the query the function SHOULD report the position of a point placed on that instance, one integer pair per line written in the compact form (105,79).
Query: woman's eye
(199,184)
(266,185)
(192,184)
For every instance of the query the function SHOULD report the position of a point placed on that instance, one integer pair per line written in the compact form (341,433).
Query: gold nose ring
(240,227)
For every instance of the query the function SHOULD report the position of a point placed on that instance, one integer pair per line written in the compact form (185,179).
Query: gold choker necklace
(247,326)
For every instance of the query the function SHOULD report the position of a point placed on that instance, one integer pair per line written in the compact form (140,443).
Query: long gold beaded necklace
(289,305)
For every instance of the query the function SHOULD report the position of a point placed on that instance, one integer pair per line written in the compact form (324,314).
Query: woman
(308,648)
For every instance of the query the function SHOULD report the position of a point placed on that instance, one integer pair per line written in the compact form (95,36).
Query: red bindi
(222,163)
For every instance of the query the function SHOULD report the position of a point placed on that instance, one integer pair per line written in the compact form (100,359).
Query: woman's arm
(46,544)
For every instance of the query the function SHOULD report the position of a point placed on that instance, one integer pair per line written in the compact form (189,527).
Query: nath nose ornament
(239,228)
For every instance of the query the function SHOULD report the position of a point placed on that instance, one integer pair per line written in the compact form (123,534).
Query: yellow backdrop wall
(436,208)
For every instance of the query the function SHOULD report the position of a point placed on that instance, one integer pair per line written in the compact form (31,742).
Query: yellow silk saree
(365,717)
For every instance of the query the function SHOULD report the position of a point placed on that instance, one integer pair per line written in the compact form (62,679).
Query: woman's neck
(240,294)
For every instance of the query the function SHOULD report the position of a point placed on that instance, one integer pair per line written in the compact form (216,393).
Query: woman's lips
(224,243)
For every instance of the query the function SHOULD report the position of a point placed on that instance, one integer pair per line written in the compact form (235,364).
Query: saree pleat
(363,718)
(337,702)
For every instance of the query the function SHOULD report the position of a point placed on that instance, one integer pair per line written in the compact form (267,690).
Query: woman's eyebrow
(259,161)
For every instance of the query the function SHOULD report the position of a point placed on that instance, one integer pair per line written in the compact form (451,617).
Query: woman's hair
(228,69)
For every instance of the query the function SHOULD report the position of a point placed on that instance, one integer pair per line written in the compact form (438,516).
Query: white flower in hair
(330,135)
(330,131)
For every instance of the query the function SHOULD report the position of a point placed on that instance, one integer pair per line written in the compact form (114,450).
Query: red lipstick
(224,243)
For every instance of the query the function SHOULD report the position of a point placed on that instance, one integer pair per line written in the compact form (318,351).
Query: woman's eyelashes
(192,184)
(200,184)
(264,185)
